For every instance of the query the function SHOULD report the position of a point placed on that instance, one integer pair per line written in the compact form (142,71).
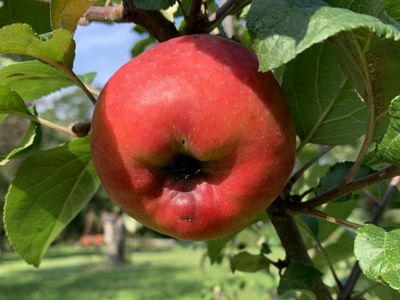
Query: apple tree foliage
(338,63)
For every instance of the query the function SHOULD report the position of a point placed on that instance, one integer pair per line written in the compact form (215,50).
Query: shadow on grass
(99,282)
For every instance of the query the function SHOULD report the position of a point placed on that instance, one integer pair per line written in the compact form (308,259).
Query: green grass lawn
(75,274)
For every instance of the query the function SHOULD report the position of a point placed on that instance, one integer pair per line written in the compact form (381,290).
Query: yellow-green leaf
(21,39)
(66,13)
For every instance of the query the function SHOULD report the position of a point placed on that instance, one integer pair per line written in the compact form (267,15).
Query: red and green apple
(191,140)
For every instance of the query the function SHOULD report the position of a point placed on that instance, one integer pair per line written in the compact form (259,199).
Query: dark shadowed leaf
(48,191)
(154,4)
(215,247)
(335,176)
(298,276)
(393,9)
(33,12)
(326,108)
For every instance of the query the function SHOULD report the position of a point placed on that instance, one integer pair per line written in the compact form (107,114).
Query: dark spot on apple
(183,167)
(188,219)
(183,142)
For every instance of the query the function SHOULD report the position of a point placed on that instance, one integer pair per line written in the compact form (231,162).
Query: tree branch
(292,241)
(196,20)
(101,13)
(376,217)
(340,191)
(154,21)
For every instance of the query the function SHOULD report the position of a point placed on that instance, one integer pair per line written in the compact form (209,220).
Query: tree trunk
(114,237)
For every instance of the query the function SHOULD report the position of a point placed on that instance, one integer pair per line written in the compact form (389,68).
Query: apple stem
(49,124)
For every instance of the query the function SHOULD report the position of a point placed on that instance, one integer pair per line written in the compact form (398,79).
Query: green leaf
(32,12)
(66,13)
(141,45)
(12,103)
(335,176)
(246,262)
(30,142)
(281,29)
(376,68)
(378,253)
(48,191)
(88,78)
(325,107)
(298,276)
(154,4)
(393,9)
(215,247)
(21,39)
(389,147)
(33,79)
(369,7)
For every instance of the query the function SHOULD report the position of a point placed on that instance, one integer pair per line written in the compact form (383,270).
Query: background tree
(338,65)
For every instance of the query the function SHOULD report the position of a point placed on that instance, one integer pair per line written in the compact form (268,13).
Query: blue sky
(103,48)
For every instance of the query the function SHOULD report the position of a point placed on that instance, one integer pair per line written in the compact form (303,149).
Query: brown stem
(340,191)
(376,217)
(321,215)
(230,7)
(196,20)
(154,21)
(293,243)
(101,13)
(80,129)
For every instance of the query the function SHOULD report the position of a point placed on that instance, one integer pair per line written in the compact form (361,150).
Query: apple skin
(191,140)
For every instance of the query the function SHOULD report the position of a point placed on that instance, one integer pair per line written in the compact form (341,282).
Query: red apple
(191,140)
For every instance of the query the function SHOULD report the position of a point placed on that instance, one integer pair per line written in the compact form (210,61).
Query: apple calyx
(183,167)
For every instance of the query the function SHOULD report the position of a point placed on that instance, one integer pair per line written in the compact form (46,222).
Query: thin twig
(321,215)
(154,21)
(376,217)
(330,265)
(340,191)
(49,124)
(293,179)
(378,212)
(230,7)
